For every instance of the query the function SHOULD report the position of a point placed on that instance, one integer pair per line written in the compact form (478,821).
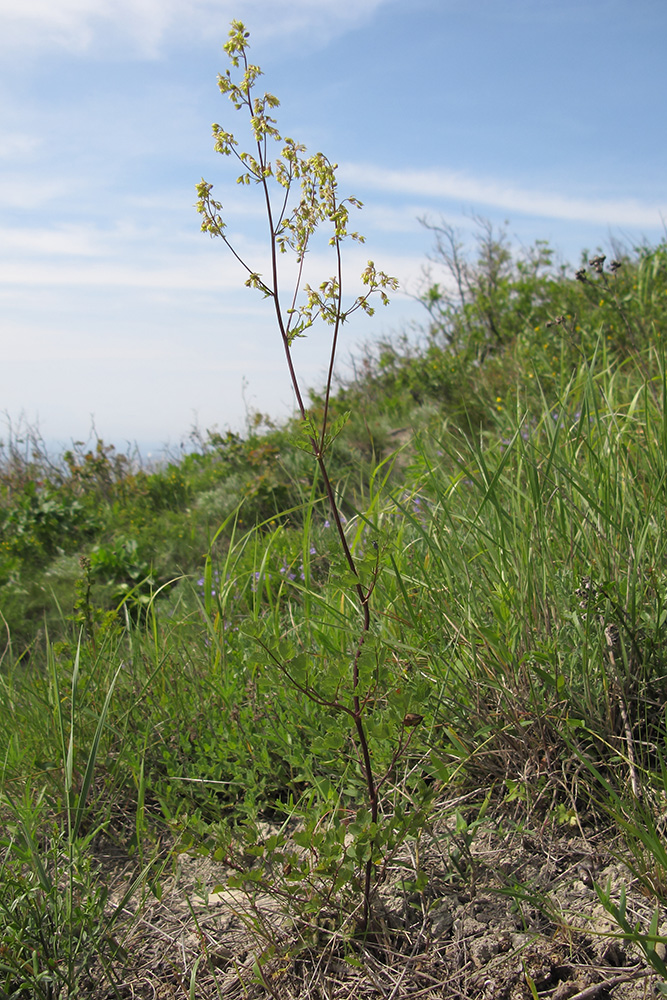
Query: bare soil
(516,918)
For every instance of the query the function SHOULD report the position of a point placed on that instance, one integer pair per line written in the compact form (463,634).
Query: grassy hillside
(177,640)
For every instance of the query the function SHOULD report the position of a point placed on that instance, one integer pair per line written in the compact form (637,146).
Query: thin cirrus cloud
(73,256)
(79,25)
(475,190)
(79,267)
(65,240)
(16,144)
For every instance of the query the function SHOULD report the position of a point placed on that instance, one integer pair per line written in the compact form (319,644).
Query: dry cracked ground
(512,915)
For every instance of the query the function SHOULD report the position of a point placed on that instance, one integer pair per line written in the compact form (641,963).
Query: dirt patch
(516,915)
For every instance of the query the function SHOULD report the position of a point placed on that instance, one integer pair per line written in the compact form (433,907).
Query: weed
(291,230)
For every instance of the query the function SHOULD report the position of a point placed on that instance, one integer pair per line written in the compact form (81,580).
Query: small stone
(483,949)
(441,920)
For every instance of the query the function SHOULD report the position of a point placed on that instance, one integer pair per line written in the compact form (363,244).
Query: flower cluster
(287,569)
(215,581)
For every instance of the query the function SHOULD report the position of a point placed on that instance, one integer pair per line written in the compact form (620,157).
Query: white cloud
(21,191)
(182,272)
(125,255)
(16,144)
(70,24)
(481,191)
(389,218)
(79,25)
(61,241)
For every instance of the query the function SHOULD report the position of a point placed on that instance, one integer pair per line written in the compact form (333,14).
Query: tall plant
(300,196)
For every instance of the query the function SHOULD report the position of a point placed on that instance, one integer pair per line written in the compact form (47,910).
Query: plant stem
(318,448)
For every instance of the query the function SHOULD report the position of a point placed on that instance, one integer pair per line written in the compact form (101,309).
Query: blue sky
(114,308)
